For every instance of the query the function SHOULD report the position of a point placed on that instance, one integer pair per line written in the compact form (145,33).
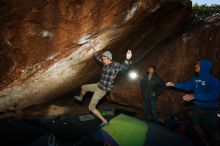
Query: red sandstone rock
(175,61)
(46,45)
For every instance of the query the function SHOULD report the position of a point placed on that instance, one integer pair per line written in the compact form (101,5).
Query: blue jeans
(152,103)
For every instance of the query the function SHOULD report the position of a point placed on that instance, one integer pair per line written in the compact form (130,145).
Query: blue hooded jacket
(205,86)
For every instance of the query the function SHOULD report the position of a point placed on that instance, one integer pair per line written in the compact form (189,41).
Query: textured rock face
(46,45)
(175,61)
(35,35)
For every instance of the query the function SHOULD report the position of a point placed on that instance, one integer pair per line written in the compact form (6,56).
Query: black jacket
(151,88)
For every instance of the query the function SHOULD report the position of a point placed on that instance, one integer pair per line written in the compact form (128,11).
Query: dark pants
(207,119)
(152,103)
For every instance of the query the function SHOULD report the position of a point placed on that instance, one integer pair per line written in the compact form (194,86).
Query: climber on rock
(108,75)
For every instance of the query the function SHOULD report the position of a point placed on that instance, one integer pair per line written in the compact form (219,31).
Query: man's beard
(196,73)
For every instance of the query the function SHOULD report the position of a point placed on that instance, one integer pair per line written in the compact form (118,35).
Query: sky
(208,2)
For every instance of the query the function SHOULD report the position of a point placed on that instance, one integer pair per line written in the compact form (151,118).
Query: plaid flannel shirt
(109,72)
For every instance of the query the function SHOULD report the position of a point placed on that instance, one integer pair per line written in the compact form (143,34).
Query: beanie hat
(107,54)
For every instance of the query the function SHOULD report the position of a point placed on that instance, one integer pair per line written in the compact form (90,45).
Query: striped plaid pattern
(109,72)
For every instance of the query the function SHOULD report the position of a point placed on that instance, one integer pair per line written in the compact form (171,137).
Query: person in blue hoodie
(206,91)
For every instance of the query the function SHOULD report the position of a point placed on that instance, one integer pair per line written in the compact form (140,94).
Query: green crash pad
(127,131)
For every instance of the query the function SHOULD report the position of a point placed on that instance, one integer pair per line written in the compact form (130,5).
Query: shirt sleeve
(97,57)
(187,86)
(142,82)
(122,66)
(160,86)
